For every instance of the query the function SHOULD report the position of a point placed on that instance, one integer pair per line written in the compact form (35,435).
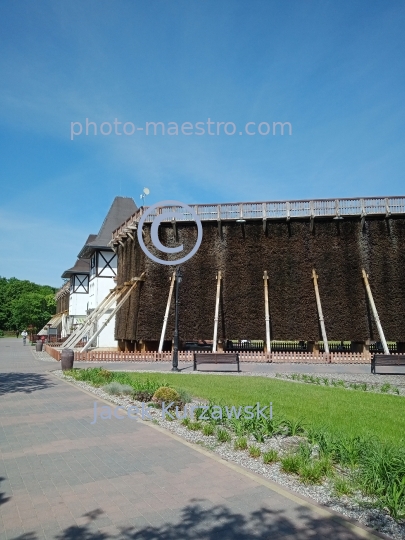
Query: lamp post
(175,361)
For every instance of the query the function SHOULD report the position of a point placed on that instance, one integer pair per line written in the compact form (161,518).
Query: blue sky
(333,69)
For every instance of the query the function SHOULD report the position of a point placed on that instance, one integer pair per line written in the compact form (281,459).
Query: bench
(216,358)
(387,360)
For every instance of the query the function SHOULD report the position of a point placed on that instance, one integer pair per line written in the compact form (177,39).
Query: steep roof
(121,209)
(81,266)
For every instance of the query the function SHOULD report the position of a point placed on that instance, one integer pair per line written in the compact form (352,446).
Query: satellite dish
(144,193)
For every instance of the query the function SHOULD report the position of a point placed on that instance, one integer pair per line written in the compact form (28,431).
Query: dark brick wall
(338,250)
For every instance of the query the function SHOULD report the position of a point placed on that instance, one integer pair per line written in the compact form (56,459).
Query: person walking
(24,334)
(17,333)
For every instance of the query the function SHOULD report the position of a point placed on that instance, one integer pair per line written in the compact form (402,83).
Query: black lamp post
(175,362)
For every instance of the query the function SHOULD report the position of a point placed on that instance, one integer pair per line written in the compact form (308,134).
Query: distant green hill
(23,303)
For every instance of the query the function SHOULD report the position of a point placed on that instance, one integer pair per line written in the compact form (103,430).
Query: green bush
(95,376)
(254,451)
(194,426)
(342,486)
(208,429)
(311,472)
(166,395)
(241,443)
(185,397)
(223,435)
(270,456)
(291,463)
(1,333)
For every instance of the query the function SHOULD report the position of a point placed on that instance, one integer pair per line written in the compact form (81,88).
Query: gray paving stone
(70,479)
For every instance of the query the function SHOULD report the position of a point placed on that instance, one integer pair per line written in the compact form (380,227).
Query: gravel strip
(352,507)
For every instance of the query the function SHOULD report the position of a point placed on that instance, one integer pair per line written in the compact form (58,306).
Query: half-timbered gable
(78,277)
(103,265)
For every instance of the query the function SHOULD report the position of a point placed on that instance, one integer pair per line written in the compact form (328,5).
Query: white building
(103,267)
(78,277)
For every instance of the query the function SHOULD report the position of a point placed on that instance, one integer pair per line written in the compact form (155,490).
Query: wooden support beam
(215,338)
(219,221)
(312,216)
(120,303)
(264,211)
(375,313)
(387,209)
(91,319)
(169,301)
(174,225)
(320,314)
(266,311)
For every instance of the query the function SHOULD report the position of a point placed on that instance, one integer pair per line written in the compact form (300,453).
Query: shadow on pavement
(197,522)
(3,499)
(23,382)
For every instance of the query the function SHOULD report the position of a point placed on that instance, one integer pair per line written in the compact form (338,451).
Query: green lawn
(350,412)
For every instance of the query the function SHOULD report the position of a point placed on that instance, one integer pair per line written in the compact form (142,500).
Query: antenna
(145,192)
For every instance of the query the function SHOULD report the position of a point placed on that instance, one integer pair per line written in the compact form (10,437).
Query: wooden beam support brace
(266,311)
(219,221)
(215,338)
(117,307)
(174,225)
(287,209)
(320,313)
(169,301)
(375,313)
(312,216)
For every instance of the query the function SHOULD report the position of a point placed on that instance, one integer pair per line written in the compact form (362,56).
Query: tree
(18,308)
(32,309)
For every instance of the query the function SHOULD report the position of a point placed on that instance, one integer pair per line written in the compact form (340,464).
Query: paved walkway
(63,478)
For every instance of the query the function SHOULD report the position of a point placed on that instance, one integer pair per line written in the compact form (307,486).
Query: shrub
(293,427)
(291,463)
(166,395)
(186,421)
(241,443)
(95,376)
(223,435)
(185,397)
(194,426)
(208,429)
(254,451)
(394,499)
(342,486)
(142,395)
(115,388)
(105,374)
(311,472)
(270,456)
(1,333)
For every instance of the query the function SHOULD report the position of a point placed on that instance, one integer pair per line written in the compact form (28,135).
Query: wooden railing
(316,208)
(187,356)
